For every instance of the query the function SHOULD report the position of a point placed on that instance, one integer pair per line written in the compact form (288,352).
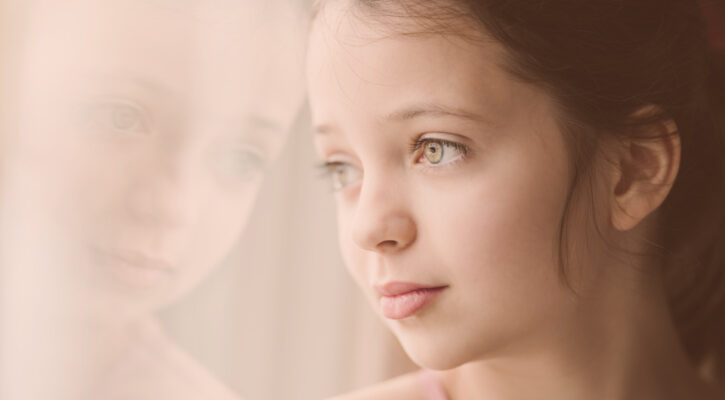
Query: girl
(531,193)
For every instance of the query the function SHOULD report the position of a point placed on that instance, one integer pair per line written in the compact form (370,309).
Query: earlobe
(646,170)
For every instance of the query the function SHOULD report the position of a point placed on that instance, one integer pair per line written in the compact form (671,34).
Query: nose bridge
(382,221)
(166,191)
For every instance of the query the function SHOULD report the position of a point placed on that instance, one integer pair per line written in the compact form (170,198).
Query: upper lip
(396,288)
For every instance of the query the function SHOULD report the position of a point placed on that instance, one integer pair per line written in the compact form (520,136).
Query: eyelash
(418,143)
(326,167)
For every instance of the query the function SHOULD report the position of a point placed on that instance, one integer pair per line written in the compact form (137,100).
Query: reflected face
(451,181)
(150,124)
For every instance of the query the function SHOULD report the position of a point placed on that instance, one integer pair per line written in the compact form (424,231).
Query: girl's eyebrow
(433,110)
(127,77)
(415,111)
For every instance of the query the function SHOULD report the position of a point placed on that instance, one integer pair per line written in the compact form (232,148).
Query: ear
(646,170)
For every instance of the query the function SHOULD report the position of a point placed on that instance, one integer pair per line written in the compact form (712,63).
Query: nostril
(388,231)
(388,244)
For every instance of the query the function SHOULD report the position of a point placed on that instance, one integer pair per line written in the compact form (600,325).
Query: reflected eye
(119,117)
(439,151)
(341,174)
(243,163)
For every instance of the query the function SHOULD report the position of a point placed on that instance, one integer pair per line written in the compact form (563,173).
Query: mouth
(399,300)
(133,268)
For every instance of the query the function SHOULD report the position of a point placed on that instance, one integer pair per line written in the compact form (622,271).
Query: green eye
(341,174)
(433,152)
(241,163)
(439,151)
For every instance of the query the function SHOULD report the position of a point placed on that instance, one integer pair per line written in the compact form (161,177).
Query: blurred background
(164,228)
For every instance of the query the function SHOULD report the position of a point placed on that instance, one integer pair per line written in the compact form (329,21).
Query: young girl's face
(147,125)
(450,176)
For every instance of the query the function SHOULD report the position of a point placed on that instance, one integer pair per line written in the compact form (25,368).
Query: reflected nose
(383,222)
(165,193)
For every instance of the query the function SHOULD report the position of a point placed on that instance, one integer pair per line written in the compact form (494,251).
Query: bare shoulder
(404,387)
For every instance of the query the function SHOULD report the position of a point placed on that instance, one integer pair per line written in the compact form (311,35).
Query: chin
(436,353)
(119,300)
(436,359)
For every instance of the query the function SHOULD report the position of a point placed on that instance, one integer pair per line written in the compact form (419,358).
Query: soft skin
(485,224)
(484,219)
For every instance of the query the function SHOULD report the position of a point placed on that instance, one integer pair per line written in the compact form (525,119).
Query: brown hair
(601,61)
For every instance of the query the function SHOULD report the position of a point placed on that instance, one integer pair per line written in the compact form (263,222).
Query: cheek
(222,217)
(221,220)
(514,219)
(499,239)
(508,245)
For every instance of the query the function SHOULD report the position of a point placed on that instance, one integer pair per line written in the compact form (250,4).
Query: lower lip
(407,304)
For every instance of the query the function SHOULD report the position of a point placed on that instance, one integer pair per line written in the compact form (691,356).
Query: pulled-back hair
(601,61)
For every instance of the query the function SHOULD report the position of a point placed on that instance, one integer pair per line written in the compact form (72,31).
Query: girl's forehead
(387,67)
(345,32)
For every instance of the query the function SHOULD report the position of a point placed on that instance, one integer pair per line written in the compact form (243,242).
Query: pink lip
(404,299)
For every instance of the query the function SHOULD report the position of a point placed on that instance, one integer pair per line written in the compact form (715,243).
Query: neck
(621,345)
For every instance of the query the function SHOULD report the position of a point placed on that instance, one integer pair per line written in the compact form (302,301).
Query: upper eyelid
(443,137)
(116,100)
(331,163)
(340,157)
(106,101)
(457,141)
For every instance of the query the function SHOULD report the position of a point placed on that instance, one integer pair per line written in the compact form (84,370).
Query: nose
(165,193)
(382,221)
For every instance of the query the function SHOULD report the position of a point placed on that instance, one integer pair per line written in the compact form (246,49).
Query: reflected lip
(399,300)
(134,268)
(136,258)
